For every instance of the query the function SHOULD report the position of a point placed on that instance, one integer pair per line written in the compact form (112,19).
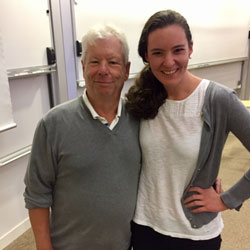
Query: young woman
(185,121)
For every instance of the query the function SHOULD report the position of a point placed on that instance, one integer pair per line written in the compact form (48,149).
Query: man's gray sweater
(88,175)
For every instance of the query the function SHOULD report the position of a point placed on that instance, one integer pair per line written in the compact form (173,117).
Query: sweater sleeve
(236,195)
(239,125)
(41,171)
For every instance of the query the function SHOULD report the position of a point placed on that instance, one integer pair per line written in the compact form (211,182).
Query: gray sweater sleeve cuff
(236,195)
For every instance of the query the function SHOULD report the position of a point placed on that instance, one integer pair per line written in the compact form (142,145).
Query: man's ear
(83,66)
(127,71)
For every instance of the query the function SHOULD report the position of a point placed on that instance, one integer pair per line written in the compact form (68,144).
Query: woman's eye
(157,53)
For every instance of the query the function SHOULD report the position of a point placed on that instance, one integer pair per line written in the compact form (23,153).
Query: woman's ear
(191,48)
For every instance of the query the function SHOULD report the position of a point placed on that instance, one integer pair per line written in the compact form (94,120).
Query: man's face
(104,69)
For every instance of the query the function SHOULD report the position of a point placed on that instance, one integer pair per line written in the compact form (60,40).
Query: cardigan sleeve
(239,125)
(41,171)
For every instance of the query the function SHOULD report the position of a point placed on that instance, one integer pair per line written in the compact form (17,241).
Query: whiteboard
(25,31)
(30,101)
(219,27)
(6,116)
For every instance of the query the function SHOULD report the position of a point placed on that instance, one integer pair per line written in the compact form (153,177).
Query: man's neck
(107,111)
(105,107)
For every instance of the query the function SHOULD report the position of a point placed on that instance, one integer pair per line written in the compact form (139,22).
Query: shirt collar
(94,114)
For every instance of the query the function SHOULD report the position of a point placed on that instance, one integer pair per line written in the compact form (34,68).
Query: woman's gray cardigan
(222,113)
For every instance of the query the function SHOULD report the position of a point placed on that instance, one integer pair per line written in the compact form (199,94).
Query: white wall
(219,28)
(30,101)
(13,216)
(25,33)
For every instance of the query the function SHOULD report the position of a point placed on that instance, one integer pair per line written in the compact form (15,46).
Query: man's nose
(103,68)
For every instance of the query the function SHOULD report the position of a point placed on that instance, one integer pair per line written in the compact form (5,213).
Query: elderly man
(81,181)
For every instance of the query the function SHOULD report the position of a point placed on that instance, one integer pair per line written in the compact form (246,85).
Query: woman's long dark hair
(147,94)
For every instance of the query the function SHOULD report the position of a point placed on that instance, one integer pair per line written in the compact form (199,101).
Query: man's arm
(39,219)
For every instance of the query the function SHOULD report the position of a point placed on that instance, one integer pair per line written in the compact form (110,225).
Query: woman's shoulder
(219,89)
(217,92)
(221,97)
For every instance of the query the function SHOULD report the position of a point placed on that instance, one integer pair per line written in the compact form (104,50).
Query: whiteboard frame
(64,41)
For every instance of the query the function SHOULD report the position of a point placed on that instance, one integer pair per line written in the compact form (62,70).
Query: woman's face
(168,55)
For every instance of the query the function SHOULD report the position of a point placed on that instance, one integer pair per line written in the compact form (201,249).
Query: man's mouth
(103,81)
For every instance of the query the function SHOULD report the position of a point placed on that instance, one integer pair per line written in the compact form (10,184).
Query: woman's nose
(168,60)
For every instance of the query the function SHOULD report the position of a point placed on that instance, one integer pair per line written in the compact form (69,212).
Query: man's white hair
(102,31)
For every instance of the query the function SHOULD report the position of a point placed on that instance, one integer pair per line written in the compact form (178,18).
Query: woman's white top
(170,146)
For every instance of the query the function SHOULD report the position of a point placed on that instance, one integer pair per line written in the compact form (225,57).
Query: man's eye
(179,50)
(113,62)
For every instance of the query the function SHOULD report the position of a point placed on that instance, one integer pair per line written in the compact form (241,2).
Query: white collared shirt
(100,118)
